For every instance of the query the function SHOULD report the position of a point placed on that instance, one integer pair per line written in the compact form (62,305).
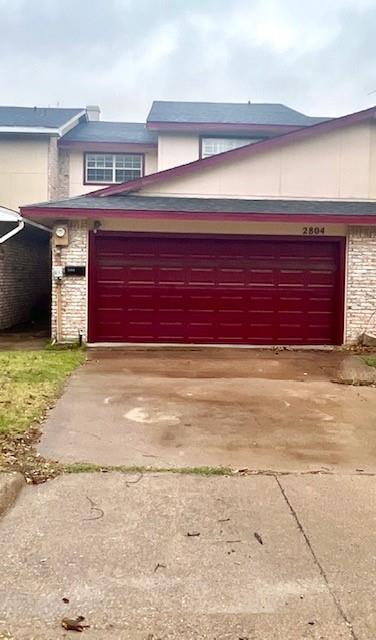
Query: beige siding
(23,171)
(174,150)
(76,172)
(207,226)
(339,164)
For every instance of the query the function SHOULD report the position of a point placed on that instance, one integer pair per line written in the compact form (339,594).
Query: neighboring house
(25,270)
(273,242)
(29,163)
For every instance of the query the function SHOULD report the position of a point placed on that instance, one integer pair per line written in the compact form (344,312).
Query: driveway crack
(317,561)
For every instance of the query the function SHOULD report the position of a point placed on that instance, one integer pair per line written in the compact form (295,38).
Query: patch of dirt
(18,453)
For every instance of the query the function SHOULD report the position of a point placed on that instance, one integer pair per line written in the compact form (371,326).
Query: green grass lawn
(371,361)
(29,382)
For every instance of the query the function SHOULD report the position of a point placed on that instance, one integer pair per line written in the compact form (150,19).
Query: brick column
(73,288)
(361,282)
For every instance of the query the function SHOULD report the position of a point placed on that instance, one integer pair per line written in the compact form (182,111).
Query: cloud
(122,54)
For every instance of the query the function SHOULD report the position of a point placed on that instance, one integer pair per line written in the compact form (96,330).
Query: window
(212,146)
(113,167)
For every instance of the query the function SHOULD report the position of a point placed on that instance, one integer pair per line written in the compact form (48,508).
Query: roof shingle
(124,132)
(50,117)
(213,205)
(228,113)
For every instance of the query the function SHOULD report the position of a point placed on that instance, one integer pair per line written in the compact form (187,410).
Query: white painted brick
(361,282)
(73,288)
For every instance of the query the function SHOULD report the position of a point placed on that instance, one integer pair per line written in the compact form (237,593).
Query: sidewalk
(121,552)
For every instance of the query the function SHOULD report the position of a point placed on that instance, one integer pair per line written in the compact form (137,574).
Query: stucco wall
(73,290)
(335,165)
(23,171)
(174,150)
(361,282)
(76,172)
(25,272)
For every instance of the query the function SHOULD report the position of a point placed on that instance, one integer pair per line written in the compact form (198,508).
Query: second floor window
(212,146)
(113,167)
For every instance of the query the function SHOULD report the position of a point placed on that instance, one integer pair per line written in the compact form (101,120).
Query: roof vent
(93,112)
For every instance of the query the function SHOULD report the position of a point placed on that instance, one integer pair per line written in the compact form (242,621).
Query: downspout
(13,232)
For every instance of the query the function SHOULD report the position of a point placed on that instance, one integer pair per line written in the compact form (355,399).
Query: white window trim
(114,167)
(219,139)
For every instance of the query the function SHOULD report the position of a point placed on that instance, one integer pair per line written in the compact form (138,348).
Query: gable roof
(99,131)
(37,119)
(227,113)
(242,152)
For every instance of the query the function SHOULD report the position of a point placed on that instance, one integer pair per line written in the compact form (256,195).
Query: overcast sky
(316,56)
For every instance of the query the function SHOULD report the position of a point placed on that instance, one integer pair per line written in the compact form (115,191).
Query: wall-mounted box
(74,270)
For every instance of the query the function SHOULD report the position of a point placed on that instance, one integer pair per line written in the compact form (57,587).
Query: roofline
(64,127)
(220,127)
(57,131)
(95,214)
(248,150)
(81,145)
(39,130)
(36,225)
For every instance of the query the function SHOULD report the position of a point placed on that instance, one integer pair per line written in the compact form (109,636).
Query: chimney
(93,112)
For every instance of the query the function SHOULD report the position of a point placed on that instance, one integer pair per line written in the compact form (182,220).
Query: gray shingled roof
(213,205)
(132,132)
(51,117)
(228,113)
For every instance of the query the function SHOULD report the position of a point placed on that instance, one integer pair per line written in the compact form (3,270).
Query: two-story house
(216,223)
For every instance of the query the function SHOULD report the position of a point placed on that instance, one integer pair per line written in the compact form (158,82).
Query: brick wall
(73,289)
(25,274)
(53,169)
(361,282)
(63,174)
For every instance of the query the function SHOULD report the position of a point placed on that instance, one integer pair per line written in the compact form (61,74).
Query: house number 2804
(313,231)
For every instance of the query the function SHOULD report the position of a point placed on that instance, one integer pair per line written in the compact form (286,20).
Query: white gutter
(7,215)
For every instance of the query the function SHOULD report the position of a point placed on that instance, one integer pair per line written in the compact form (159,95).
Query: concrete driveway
(264,410)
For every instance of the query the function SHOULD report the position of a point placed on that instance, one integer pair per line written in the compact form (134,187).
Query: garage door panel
(213,290)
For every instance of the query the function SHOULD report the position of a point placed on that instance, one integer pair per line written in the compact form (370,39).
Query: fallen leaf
(258,538)
(75,624)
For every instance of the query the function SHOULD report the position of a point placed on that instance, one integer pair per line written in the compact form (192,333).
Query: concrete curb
(10,486)
(354,371)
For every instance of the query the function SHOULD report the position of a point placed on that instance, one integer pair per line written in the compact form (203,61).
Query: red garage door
(253,290)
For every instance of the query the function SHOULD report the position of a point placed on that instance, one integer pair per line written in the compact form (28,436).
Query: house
(258,227)
(25,269)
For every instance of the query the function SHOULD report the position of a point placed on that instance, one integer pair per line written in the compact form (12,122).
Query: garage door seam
(316,560)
